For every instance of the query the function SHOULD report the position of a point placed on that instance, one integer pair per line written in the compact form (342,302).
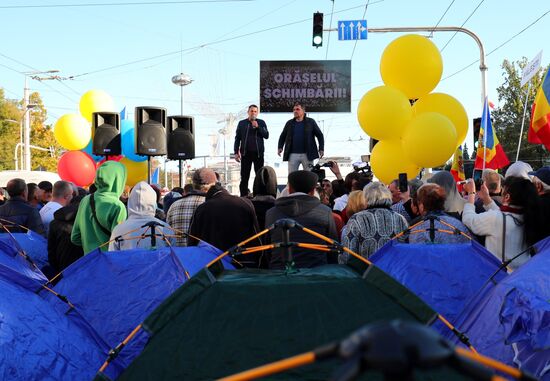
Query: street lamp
(27,130)
(181,80)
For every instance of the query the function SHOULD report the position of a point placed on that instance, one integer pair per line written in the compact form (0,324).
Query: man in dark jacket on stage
(249,145)
(16,212)
(298,140)
(303,207)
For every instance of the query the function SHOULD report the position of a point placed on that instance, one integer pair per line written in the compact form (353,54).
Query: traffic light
(317,40)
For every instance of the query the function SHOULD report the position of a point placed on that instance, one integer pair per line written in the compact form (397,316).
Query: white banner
(531,69)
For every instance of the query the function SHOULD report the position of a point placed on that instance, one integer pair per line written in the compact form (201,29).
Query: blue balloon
(128,141)
(88,150)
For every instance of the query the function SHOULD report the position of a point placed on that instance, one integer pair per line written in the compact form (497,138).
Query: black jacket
(242,134)
(311,130)
(223,221)
(545,208)
(19,212)
(310,213)
(61,251)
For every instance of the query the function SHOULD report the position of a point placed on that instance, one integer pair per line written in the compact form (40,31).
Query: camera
(364,169)
(321,174)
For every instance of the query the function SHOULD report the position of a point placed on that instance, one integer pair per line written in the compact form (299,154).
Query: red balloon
(77,167)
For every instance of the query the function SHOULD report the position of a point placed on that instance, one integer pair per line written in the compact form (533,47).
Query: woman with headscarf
(454,203)
(265,191)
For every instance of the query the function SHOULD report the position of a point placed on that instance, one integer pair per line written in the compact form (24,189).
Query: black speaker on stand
(180,139)
(150,133)
(106,128)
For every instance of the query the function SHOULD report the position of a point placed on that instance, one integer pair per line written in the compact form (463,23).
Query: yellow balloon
(448,106)
(137,171)
(72,132)
(384,112)
(430,140)
(388,161)
(95,101)
(412,64)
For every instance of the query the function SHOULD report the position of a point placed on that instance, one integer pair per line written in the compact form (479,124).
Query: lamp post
(26,121)
(181,80)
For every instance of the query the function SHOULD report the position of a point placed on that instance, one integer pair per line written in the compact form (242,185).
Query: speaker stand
(149,170)
(181,173)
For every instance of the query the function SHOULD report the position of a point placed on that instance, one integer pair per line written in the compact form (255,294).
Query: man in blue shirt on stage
(298,140)
(249,146)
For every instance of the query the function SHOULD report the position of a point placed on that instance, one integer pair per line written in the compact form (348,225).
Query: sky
(131,51)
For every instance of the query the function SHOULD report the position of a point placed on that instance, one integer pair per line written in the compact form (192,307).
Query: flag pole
(523,119)
(485,116)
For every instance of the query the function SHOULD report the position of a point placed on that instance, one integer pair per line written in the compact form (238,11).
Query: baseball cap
(543,174)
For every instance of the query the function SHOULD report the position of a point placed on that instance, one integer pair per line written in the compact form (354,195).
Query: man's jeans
(295,159)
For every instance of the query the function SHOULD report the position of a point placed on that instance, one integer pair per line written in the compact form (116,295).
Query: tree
(507,118)
(42,136)
(11,114)
(465,154)
(10,119)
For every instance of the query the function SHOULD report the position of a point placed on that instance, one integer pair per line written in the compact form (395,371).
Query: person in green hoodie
(100,212)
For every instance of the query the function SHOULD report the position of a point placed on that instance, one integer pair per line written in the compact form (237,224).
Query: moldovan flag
(539,129)
(457,169)
(493,153)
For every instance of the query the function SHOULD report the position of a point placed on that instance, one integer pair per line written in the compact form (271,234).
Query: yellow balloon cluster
(411,137)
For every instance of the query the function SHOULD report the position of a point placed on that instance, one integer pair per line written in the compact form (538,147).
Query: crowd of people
(506,214)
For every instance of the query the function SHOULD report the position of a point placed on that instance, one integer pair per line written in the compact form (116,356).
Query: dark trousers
(246,165)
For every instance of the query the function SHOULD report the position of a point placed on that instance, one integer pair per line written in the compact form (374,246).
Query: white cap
(519,169)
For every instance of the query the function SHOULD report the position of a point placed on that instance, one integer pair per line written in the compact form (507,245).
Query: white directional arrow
(351,25)
(360,29)
(342,26)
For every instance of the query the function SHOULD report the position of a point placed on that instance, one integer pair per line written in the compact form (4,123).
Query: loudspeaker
(181,137)
(106,127)
(150,131)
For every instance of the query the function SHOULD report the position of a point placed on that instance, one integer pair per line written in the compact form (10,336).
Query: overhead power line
(209,43)
(364,13)
(499,46)
(329,26)
(441,18)
(465,21)
(121,4)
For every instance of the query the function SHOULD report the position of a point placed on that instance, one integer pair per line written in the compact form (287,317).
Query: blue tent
(116,291)
(34,245)
(511,322)
(14,257)
(445,276)
(40,337)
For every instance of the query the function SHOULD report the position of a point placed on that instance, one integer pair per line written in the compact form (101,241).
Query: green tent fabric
(222,322)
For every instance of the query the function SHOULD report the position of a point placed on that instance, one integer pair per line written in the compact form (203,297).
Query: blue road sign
(352,30)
